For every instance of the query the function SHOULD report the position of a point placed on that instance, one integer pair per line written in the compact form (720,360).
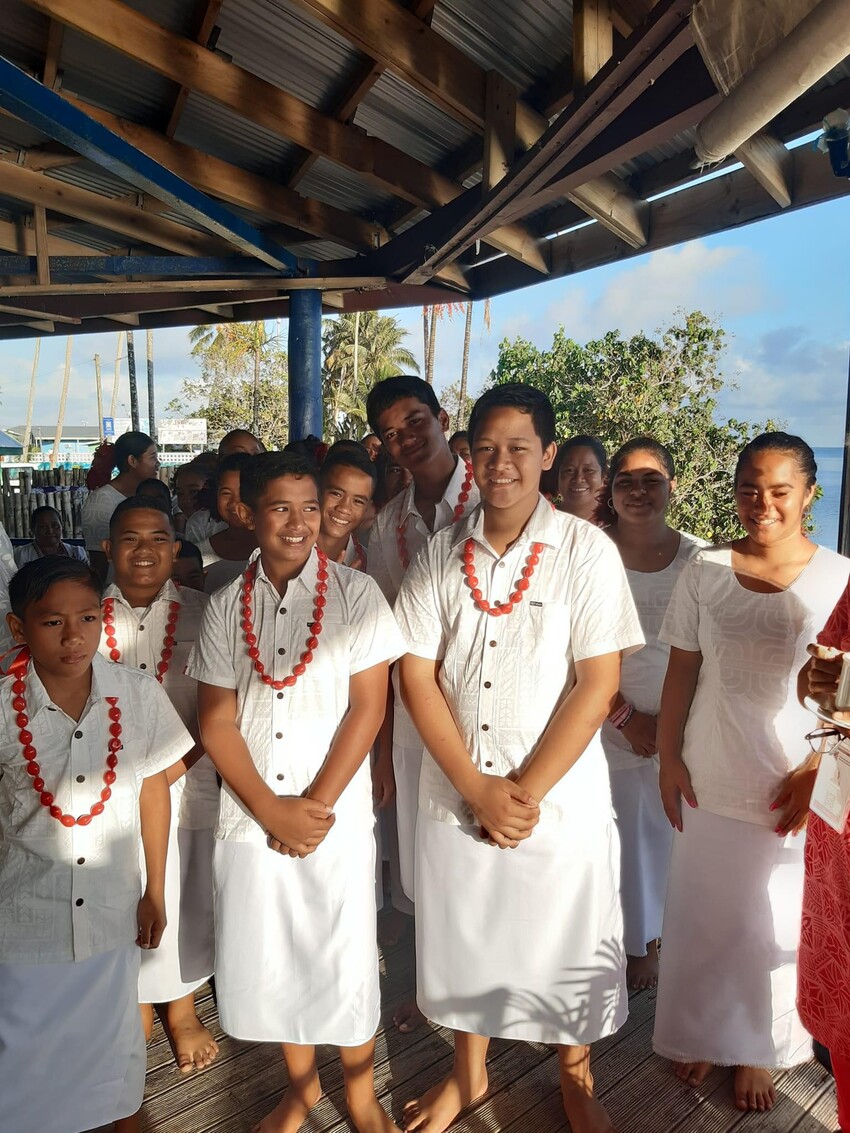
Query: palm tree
(464,369)
(430,317)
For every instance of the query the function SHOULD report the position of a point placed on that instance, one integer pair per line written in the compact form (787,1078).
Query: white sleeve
(680,627)
(603,617)
(376,564)
(375,636)
(97,512)
(417,609)
(168,739)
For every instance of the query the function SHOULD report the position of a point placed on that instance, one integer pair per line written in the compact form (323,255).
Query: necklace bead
(520,587)
(168,642)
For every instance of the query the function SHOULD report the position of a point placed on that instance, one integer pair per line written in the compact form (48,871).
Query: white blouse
(289,733)
(97,512)
(504,677)
(745,730)
(71,893)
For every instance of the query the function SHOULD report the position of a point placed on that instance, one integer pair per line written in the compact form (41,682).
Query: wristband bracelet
(621,716)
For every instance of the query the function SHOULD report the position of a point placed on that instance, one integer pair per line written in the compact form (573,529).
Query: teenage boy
(149,623)
(347,482)
(292,660)
(515,620)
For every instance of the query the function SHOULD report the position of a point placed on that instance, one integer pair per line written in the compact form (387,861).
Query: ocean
(826,510)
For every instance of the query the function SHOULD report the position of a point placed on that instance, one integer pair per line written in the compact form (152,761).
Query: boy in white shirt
(149,623)
(515,621)
(83,750)
(292,663)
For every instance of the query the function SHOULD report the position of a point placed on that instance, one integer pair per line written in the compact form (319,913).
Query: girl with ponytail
(134,455)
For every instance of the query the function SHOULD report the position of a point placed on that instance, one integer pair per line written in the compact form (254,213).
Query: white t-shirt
(642,676)
(200,526)
(289,733)
(97,512)
(71,893)
(746,728)
(504,677)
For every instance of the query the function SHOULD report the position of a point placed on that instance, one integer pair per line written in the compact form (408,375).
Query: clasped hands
(505,810)
(297,825)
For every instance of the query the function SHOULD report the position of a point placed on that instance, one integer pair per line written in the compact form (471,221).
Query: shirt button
(282,610)
(81,778)
(78,735)
(492,644)
(485,727)
(280,696)
(488,684)
(500,565)
(489,763)
(143,665)
(141,628)
(281,652)
(81,861)
(278,735)
(280,775)
(78,902)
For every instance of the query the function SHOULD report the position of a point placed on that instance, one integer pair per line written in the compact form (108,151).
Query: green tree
(458,404)
(233,345)
(359,350)
(664,386)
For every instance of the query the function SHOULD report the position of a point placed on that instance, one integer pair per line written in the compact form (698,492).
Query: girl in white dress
(731,741)
(642,477)
(135,457)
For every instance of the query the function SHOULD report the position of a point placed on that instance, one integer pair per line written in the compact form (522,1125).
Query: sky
(780,288)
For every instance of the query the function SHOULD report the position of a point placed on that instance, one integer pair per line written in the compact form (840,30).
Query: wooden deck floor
(638,1088)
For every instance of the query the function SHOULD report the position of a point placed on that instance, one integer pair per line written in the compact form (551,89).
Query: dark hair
(386,393)
(240,433)
(456,436)
(270,466)
(236,462)
(781,442)
(42,510)
(190,550)
(341,455)
(310,448)
(516,395)
(108,456)
(140,503)
(366,437)
(643,444)
(582,440)
(383,464)
(153,488)
(34,579)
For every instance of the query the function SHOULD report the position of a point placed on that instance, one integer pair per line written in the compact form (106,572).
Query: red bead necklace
(19,703)
(460,508)
(167,642)
(521,585)
(247,623)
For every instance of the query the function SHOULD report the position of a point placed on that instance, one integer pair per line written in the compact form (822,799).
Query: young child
(155,489)
(201,524)
(151,624)
(188,568)
(347,482)
(459,444)
(405,414)
(46,526)
(226,552)
(526,943)
(292,664)
(95,740)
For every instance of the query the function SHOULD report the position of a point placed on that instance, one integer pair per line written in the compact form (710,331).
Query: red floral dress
(823,967)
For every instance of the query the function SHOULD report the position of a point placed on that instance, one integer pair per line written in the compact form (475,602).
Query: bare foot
(193,1045)
(754,1088)
(438,1108)
(407,1017)
(585,1113)
(392,928)
(291,1111)
(642,971)
(371,1117)
(692,1073)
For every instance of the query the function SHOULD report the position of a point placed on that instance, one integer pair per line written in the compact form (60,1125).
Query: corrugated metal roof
(280,43)
(523,39)
(406,119)
(213,128)
(24,35)
(176,15)
(334,185)
(15,134)
(85,175)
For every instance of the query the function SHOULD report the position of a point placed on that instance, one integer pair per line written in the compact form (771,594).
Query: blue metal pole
(305,364)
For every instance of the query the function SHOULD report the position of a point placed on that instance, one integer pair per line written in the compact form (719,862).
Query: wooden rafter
(20,239)
(180,59)
(206,15)
(42,245)
(55,36)
(593,39)
(770,163)
(261,283)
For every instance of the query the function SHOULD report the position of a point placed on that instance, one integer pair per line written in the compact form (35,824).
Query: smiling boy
(347,481)
(515,620)
(292,660)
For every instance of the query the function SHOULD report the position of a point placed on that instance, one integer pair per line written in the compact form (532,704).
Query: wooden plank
(7,309)
(770,163)
(205,18)
(55,36)
(609,200)
(117,216)
(42,246)
(150,286)
(593,39)
(499,130)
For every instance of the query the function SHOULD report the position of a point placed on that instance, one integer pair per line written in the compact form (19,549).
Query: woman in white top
(731,741)
(135,457)
(641,479)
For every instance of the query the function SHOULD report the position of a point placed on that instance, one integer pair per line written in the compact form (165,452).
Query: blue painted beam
(305,364)
(48,112)
(218,267)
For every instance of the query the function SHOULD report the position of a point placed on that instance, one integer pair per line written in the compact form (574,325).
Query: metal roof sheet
(394,111)
(209,126)
(334,185)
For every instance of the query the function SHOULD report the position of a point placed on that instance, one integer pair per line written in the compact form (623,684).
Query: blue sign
(109,426)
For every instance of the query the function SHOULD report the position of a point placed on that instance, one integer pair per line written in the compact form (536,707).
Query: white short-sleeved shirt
(504,677)
(68,894)
(642,676)
(200,526)
(97,512)
(746,728)
(8,564)
(29,552)
(289,733)
(140,635)
(384,564)
(7,569)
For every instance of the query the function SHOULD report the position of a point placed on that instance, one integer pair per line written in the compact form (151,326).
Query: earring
(611,507)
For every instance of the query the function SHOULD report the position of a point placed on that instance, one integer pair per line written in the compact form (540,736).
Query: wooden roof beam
(20,239)
(626,15)
(206,15)
(180,59)
(769,162)
(55,36)
(42,247)
(610,201)
(593,39)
